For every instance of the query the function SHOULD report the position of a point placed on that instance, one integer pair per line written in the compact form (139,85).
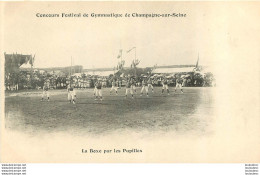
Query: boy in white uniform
(178,84)
(71,94)
(95,88)
(133,82)
(150,84)
(144,87)
(114,87)
(45,92)
(99,90)
(128,88)
(165,86)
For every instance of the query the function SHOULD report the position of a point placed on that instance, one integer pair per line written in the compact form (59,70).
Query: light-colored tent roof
(77,74)
(173,70)
(26,65)
(100,73)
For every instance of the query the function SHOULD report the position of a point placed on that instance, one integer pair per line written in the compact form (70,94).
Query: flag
(130,50)
(32,60)
(120,53)
(197,64)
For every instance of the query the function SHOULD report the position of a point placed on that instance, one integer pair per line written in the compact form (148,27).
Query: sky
(95,42)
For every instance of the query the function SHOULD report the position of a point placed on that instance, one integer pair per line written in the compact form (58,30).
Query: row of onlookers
(24,81)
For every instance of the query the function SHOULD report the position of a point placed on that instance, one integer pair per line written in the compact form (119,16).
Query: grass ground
(180,113)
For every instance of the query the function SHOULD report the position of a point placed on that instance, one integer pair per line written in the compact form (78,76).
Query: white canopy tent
(100,73)
(25,65)
(173,70)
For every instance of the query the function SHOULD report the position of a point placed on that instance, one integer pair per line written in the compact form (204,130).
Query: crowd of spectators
(36,79)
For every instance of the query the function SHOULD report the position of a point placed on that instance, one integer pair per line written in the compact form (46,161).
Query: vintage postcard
(130,82)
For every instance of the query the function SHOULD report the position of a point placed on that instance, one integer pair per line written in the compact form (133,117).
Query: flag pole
(121,50)
(197,61)
(70,69)
(31,70)
(135,61)
(135,53)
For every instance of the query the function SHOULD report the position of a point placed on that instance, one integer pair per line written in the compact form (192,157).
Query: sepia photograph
(129,82)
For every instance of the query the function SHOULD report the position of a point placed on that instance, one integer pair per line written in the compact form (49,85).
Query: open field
(196,126)
(185,113)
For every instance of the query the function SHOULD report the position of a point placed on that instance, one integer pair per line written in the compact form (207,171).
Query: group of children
(70,89)
(130,88)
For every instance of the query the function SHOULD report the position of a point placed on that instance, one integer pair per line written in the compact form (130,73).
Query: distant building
(104,72)
(59,70)
(173,69)
(99,71)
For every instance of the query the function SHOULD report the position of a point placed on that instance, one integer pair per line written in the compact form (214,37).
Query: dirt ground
(189,112)
(197,126)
